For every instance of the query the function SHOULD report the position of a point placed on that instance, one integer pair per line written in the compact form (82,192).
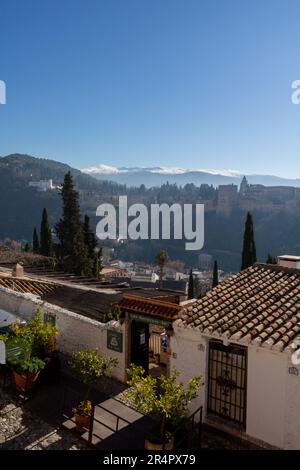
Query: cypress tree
(91,244)
(197,288)
(45,236)
(27,247)
(249,248)
(69,229)
(35,242)
(191,285)
(271,259)
(215,280)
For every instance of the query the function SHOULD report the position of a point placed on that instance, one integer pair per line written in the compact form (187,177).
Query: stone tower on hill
(244,186)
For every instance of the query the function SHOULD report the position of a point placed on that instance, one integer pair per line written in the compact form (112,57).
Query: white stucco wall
(188,356)
(76,332)
(266,397)
(292,409)
(273,395)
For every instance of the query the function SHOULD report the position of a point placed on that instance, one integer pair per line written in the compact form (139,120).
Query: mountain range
(21,207)
(156,176)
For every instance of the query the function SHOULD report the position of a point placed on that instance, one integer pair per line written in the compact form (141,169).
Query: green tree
(94,252)
(27,247)
(35,242)
(89,366)
(215,280)
(161,259)
(73,250)
(45,235)
(191,289)
(197,288)
(249,248)
(164,396)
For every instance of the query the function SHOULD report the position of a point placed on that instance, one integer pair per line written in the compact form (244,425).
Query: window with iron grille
(227,382)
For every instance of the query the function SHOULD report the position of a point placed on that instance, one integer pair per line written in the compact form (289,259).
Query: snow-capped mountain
(156,176)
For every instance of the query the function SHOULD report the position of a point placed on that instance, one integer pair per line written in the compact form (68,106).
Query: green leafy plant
(32,365)
(89,366)
(114,314)
(42,335)
(20,356)
(163,396)
(84,408)
(4,337)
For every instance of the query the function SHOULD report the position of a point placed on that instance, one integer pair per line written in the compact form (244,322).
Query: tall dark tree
(73,250)
(35,242)
(27,247)
(45,235)
(249,248)
(191,289)
(197,288)
(215,280)
(161,259)
(94,252)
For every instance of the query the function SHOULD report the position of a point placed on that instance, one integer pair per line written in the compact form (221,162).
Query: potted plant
(89,366)
(27,372)
(41,334)
(164,397)
(31,347)
(26,367)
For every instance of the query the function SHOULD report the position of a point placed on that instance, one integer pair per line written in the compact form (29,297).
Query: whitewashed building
(242,338)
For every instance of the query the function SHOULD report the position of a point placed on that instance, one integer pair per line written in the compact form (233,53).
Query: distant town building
(227,198)
(244,186)
(205,262)
(249,197)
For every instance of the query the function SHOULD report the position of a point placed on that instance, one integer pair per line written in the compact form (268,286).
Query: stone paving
(22,429)
(25,428)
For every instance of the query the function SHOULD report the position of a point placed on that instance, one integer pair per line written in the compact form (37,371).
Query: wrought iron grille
(227,382)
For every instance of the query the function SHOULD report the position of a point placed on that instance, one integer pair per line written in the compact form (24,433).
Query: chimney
(18,270)
(289,261)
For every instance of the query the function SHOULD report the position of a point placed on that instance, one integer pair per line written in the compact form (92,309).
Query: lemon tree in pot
(165,397)
(89,366)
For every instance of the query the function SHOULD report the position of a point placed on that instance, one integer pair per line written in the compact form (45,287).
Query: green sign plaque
(114,340)
(147,319)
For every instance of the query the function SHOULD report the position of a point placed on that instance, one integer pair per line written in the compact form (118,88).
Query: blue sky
(186,83)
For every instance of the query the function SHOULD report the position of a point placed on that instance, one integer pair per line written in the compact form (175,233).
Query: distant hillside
(7,255)
(156,176)
(19,169)
(21,206)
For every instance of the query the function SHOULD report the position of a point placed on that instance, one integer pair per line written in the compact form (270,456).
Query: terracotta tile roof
(150,307)
(89,303)
(259,305)
(27,285)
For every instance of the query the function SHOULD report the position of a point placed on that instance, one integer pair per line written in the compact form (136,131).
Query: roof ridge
(151,301)
(260,304)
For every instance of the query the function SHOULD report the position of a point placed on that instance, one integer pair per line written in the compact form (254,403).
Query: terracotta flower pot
(82,423)
(25,381)
(152,445)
